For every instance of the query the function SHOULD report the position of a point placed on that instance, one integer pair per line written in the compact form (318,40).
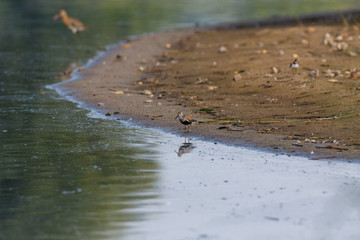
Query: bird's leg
(73,46)
(74,39)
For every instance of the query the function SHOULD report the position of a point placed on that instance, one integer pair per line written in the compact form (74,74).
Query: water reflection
(84,178)
(185,147)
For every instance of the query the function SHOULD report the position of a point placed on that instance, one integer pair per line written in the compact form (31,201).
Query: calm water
(63,174)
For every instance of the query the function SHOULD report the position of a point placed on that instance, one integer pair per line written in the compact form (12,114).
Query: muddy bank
(237,83)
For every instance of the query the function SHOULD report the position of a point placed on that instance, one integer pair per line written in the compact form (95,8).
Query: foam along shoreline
(161,64)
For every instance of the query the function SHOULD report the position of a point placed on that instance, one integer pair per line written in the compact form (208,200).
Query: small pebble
(147,92)
(222,49)
(304,42)
(274,70)
(237,77)
(118,92)
(354,75)
(352,54)
(311,29)
(331,75)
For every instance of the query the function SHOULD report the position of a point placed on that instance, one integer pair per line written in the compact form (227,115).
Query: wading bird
(185,120)
(71,23)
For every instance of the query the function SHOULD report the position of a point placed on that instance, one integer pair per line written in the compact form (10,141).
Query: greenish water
(64,175)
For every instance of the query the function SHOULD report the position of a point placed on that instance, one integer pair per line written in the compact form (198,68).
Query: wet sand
(237,83)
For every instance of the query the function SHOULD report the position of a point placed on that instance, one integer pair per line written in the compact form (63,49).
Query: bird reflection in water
(186,147)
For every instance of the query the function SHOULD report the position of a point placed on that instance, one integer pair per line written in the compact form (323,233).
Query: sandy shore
(238,85)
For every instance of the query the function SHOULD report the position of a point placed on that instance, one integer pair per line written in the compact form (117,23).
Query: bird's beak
(56,17)
(176,117)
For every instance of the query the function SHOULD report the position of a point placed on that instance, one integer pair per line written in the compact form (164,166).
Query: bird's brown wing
(190,119)
(76,23)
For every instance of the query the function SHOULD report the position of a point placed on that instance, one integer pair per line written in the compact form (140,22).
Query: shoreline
(116,84)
